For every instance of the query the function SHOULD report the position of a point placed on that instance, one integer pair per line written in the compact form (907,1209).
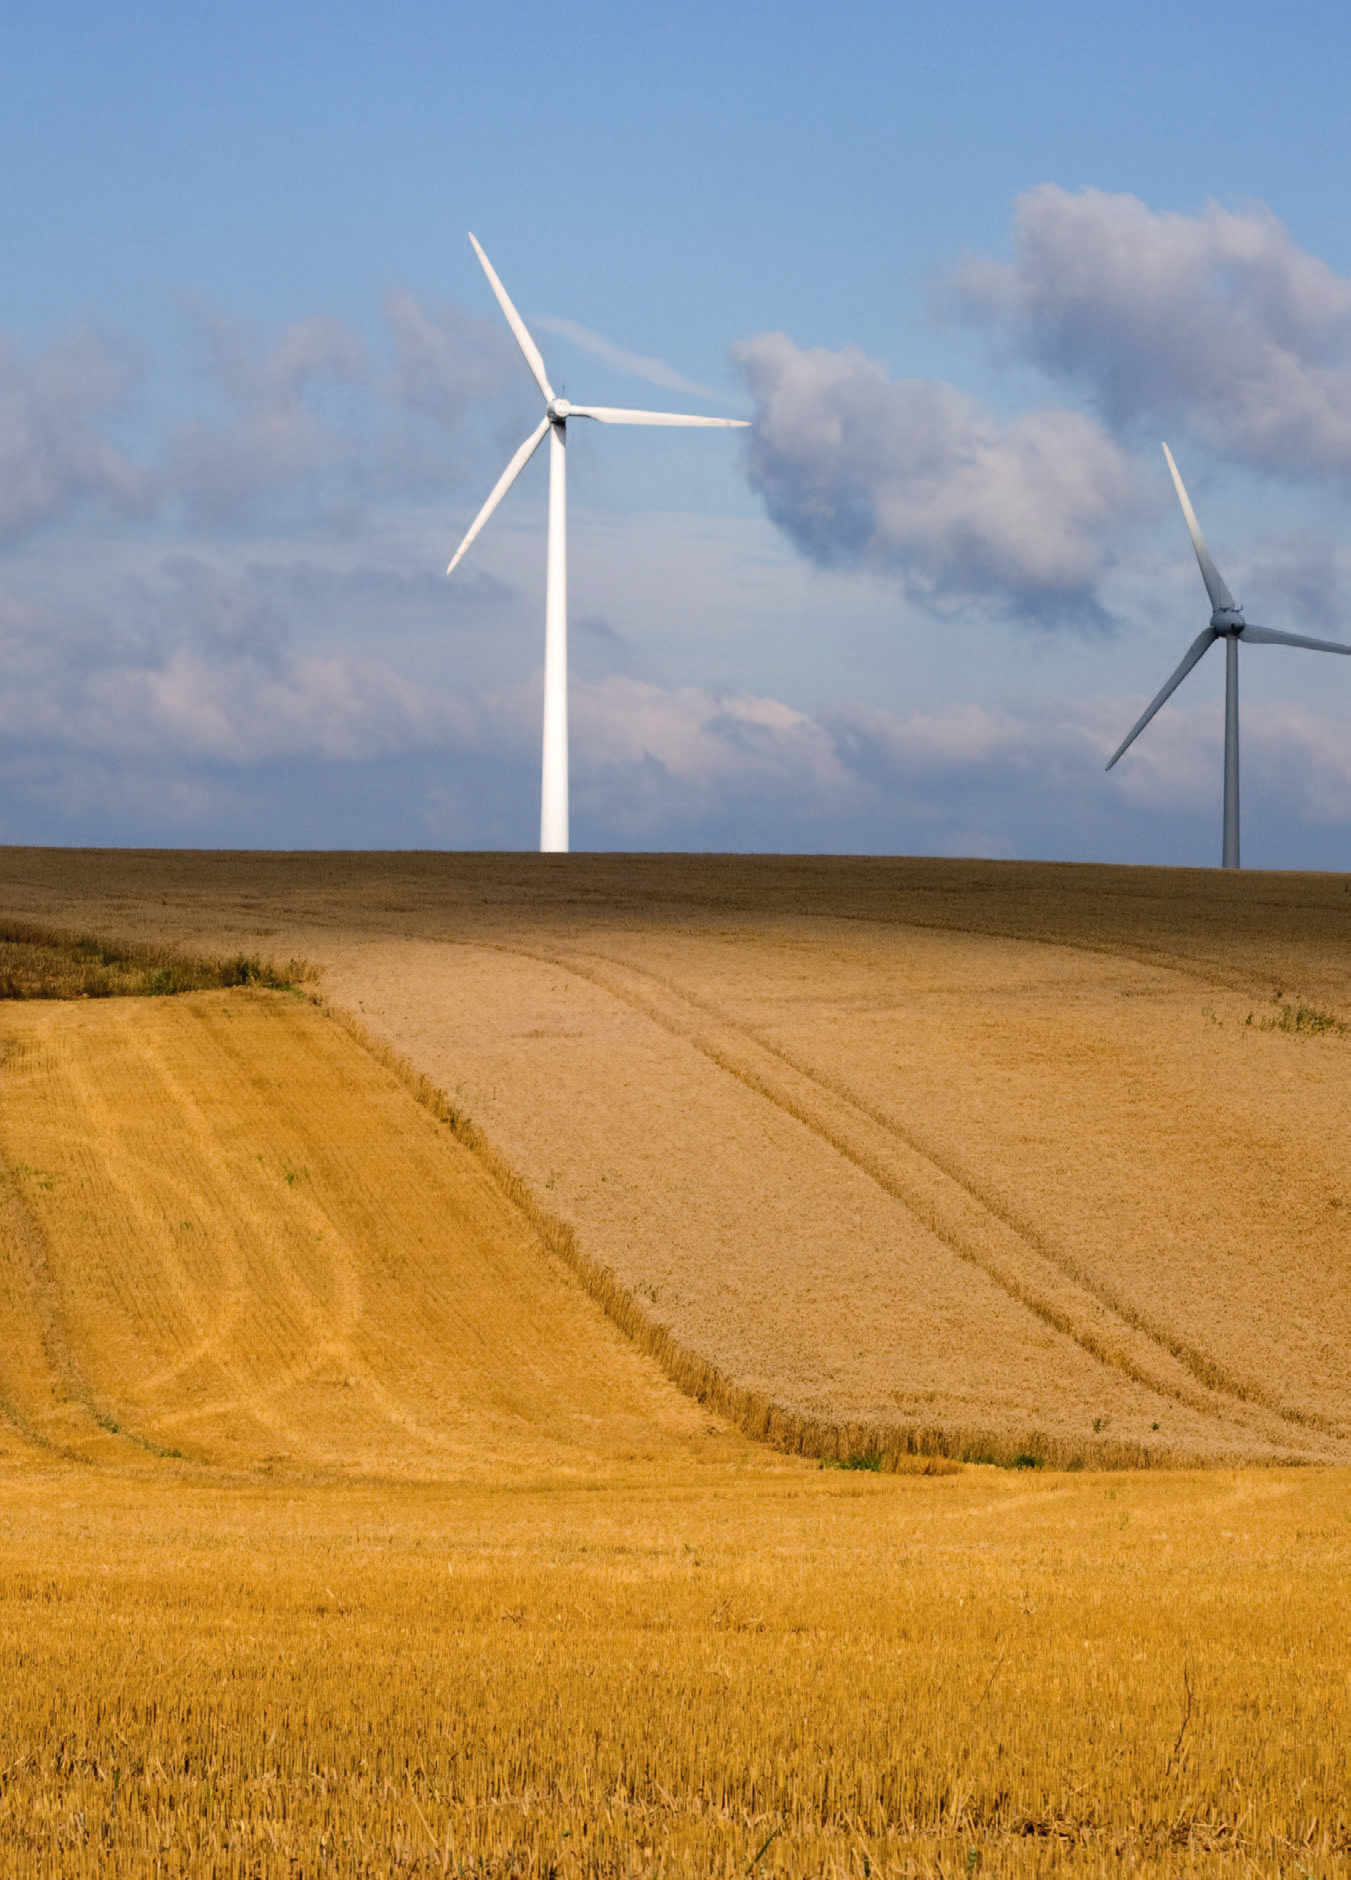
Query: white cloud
(1217,323)
(958,777)
(704,740)
(917,478)
(246,710)
(310,679)
(274,439)
(54,452)
(314,425)
(206,676)
(1304,759)
(446,361)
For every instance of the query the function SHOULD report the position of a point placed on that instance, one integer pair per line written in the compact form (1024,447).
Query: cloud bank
(190,712)
(199,669)
(310,426)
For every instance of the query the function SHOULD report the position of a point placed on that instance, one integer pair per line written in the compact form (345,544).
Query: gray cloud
(1299,582)
(1296,768)
(316,427)
(275,438)
(368,597)
(446,361)
(1218,323)
(916,478)
(54,453)
(456,397)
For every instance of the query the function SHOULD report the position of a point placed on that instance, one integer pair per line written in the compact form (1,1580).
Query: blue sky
(964,267)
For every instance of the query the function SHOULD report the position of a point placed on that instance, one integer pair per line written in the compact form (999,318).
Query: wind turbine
(1227,624)
(553,821)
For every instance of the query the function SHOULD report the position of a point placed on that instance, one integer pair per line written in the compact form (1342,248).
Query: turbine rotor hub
(559,410)
(1228,621)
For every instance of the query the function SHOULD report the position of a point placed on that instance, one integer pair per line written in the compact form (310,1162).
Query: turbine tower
(553,821)
(1227,624)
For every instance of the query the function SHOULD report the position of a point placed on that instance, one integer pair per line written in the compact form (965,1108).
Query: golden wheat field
(385,1363)
(674,1668)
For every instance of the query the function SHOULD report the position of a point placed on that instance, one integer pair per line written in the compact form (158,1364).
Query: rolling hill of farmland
(1040,1156)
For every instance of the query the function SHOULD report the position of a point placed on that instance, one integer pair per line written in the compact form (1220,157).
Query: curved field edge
(887,1447)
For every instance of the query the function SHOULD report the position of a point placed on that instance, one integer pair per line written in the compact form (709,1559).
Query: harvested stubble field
(654,1669)
(343,1530)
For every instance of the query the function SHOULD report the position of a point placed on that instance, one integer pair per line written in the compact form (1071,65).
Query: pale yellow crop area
(352,1519)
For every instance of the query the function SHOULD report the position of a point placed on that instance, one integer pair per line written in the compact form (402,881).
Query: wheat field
(377,1483)
(1016,1156)
(673,1667)
(233,1236)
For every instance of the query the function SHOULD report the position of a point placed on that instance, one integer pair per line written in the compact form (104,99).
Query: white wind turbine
(553,821)
(1227,624)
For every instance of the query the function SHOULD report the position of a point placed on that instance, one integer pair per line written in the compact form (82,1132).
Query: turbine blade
(609,414)
(1210,574)
(1269,636)
(1199,645)
(504,483)
(517,325)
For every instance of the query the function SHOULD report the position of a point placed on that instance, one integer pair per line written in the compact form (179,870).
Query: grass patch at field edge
(38,962)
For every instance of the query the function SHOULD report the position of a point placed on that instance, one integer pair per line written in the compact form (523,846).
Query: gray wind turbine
(1227,624)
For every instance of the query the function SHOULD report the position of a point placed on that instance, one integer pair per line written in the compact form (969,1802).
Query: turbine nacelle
(1226,621)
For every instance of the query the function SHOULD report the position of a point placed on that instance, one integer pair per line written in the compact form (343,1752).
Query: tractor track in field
(27,1248)
(22,1240)
(972,1221)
